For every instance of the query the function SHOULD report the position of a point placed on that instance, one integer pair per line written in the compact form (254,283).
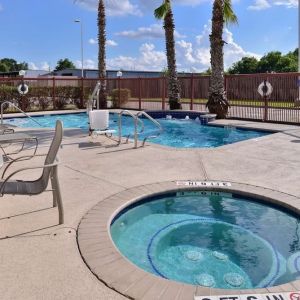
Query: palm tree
(102,54)
(217,99)
(165,12)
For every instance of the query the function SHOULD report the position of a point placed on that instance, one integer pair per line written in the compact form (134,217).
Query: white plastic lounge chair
(38,186)
(99,123)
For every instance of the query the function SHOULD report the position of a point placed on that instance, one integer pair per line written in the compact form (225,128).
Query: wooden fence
(152,94)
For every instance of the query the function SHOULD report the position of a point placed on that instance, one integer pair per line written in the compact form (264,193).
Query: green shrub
(8,93)
(41,97)
(124,95)
(66,95)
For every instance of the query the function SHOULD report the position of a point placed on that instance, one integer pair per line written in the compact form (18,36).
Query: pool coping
(118,273)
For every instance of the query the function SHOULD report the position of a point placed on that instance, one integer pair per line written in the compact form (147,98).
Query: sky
(41,32)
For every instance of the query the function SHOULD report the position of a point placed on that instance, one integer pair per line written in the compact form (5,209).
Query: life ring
(23,89)
(265,88)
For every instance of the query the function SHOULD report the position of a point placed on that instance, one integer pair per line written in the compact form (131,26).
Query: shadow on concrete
(27,232)
(26,213)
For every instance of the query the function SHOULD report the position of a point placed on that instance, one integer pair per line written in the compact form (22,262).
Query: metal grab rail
(136,120)
(20,110)
(142,113)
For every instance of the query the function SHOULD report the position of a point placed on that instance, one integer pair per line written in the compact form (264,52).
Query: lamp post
(81,38)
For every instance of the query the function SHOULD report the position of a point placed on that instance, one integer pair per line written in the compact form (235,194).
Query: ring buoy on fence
(23,89)
(265,88)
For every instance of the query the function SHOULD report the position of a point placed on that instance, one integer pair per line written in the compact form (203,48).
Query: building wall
(88,73)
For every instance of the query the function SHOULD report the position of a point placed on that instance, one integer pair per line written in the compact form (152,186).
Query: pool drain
(205,280)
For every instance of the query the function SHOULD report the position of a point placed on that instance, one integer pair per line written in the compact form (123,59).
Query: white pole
(81,43)
(81,35)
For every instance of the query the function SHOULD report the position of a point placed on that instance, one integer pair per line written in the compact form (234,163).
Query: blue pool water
(177,133)
(211,239)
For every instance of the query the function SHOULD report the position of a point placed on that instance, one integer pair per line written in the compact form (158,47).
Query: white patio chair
(38,186)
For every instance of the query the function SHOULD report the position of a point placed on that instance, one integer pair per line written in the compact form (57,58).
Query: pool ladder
(137,121)
(20,110)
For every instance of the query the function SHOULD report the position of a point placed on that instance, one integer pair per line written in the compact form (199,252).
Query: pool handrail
(143,113)
(20,110)
(136,120)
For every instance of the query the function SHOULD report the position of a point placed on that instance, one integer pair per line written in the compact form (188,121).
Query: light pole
(81,38)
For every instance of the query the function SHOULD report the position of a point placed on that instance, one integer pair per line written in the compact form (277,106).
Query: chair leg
(57,200)
(53,189)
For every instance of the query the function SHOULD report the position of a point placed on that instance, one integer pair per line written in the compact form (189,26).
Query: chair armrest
(18,159)
(22,170)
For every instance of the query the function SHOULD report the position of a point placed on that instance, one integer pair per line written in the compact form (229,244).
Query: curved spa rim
(176,238)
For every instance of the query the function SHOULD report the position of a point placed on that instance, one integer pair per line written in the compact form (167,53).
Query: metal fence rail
(152,94)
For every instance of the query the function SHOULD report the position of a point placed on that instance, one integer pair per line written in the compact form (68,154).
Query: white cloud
(196,56)
(151,5)
(92,41)
(191,56)
(154,31)
(265,4)
(1,7)
(113,7)
(32,66)
(260,5)
(41,66)
(109,43)
(87,64)
(148,59)
(137,7)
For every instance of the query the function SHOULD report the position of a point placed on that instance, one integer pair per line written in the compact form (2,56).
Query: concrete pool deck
(40,260)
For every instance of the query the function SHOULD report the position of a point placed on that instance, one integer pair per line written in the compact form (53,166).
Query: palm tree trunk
(102,54)
(217,100)
(173,90)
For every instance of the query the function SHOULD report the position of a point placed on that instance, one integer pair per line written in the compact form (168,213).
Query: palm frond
(161,11)
(229,15)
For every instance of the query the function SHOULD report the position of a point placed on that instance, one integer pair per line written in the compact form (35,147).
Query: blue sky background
(42,32)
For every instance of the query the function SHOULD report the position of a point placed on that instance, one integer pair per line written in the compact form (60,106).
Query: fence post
(53,92)
(82,93)
(192,92)
(266,103)
(140,93)
(119,86)
(163,104)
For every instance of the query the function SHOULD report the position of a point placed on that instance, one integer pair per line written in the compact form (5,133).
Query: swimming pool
(212,239)
(177,133)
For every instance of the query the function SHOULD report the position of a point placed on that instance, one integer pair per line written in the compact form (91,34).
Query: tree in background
(207,72)
(247,65)
(164,12)
(271,62)
(217,100)
(102,54)
(63,64)
(10,65)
